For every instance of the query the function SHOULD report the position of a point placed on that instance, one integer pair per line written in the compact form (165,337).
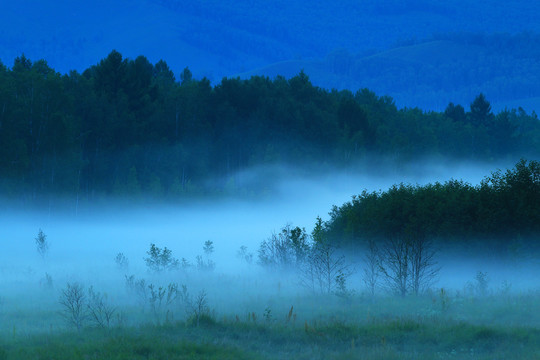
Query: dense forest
(505,207)
(127,127)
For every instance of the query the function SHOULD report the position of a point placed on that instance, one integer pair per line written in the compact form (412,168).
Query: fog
(83,244)
(94,235)
(294,197)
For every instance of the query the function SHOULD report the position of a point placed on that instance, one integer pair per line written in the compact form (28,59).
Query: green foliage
(504,205)
(132,345)
(159,259)
(284,250)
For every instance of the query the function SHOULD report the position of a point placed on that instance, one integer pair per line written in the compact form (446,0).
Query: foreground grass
(274,322)
(141,343)
(399,338)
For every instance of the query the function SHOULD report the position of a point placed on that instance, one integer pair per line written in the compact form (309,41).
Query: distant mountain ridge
(431,74)
(224,38)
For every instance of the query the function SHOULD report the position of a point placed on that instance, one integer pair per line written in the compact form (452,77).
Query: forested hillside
(431,72)
(127,127)
(420,52)
(225,37)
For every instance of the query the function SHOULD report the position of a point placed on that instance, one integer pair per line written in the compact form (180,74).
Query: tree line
(128,127)
(503,207)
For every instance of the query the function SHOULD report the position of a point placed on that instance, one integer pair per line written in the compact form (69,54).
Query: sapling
(161,299)
(137,288)
(482,281)
(195,308)
(42,245)
(371,268)
(122,262)
(243,254)
(206,264)
(100,311)
(267,314)
(74,306)
(160,259)
(46,282)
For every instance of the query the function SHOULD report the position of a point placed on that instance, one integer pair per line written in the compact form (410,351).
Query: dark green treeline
(125,127)
(504,207)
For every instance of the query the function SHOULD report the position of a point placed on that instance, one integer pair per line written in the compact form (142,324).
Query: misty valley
(145,215)
(431,267)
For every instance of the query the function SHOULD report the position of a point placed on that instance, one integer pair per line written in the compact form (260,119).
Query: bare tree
(161,299)
(326,267)
(424,268)
(100,311)
(138,288)
(395,264)
(408,263)
(195,308)
(73,301)
(325,270)
(372,267)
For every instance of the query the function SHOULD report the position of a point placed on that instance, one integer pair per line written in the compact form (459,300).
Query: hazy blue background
(424,53)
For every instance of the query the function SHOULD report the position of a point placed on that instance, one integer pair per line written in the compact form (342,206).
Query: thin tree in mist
(372,267)
(206,264)
(324,270)
(408,264)
(122,262)
(285,250)
(395,265)
(424,268)
(42,245)
(74,306)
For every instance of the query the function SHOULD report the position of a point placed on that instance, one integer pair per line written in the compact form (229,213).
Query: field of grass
(252,319)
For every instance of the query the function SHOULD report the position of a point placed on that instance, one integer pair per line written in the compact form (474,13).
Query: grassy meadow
(216,316)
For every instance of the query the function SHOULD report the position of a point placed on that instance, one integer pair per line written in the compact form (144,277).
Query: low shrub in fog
(313,258)
(284,250)
(161,299)
(244,255)
(122,262)
(197,309)
(74,306)
(99,310)
(160,259)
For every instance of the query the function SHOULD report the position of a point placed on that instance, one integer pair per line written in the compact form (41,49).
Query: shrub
(74,307)
(160,259)
(122,262)
(100,311)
